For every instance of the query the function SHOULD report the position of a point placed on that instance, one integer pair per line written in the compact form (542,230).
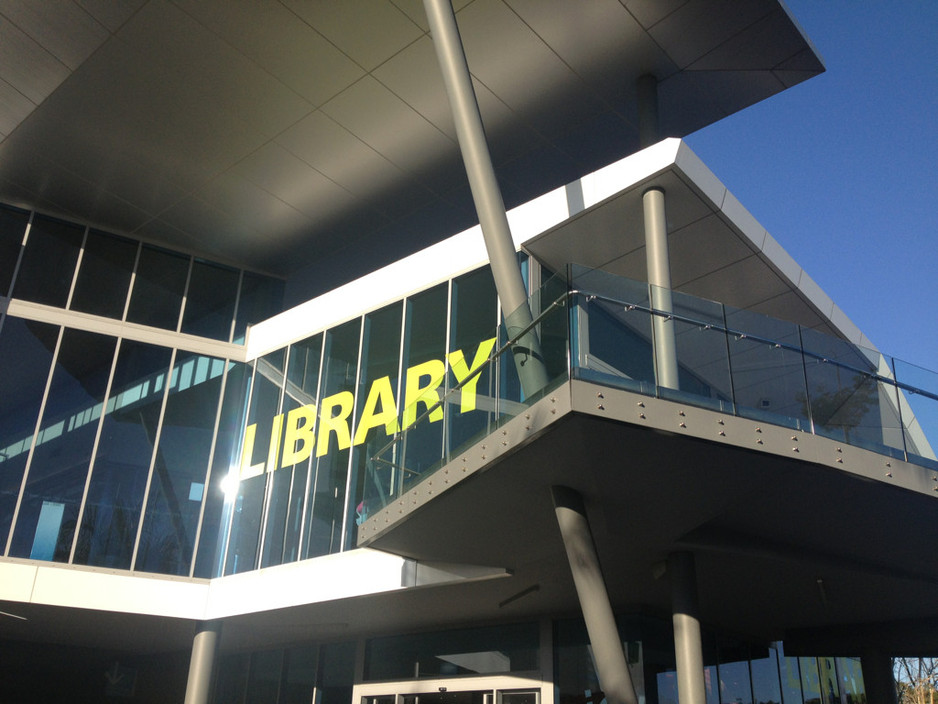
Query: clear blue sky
(843,168)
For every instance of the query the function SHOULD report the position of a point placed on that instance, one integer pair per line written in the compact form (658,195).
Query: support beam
(611,666)
(878,678)
(202,662)
(647,93)
(658,262)
(688,651)
(490,207)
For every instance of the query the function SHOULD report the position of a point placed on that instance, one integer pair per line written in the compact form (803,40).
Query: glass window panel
(325,505)
(210,301)
(300,676)
(285,490)
(376,403)
(733,670)
(249,504)
(791,678)
(104,275)
(264,681)
(177,483)
(26,350)
(766,687)
(810,680)
(224,462)
(261,297)
(12,229)
(301,389)
(232,680)
(158,288)
(467,651)
(336,673)
(59,465)
(827,675)
(421,446)
(473,317)
(48,264)
(122,462)
(851,680)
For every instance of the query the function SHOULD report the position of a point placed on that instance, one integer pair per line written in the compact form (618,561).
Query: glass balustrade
(597,327)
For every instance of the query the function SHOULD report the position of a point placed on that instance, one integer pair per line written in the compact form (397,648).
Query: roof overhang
(286,136)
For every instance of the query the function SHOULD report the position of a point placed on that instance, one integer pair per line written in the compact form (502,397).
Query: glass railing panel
(609,286)
(855,407)
(918,404)
(612,343)
(767,369)
(703,366)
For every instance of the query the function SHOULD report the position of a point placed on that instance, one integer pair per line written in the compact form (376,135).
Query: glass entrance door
(440,693)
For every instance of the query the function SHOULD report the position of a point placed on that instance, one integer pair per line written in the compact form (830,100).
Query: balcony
(600,328)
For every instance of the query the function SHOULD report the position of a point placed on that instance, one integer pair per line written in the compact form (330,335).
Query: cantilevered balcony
(791,462)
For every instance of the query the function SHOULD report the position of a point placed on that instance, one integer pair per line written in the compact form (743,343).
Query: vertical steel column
(202,662)
(878,678)
(647,93)
(658,263)
(485,192)
(611,666)
(688,651)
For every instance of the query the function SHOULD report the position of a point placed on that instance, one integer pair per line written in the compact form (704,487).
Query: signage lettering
(307,429)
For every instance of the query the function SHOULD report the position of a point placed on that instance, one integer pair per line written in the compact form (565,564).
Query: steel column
(647,93)
(658,263)
(490,207)
(688,651)
(202,662)
(878,678)
(611,666)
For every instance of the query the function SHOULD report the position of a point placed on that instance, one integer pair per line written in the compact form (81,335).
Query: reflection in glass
(122,462)
(48,263)
(212,536)
(46,524)
(376,413)
(810,680)
(210,300)
(262,456)
(766,687)
(177,482)
(261,297)
(325,505)
(25,358)
(473,318)
(158,288)
(12,229)
(107,263)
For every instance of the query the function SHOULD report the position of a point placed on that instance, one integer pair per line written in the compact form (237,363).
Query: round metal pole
(490,207)
(611,666)
(202,662)
(658,263)
(688,651)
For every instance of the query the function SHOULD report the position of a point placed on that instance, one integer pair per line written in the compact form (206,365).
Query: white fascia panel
(781,260)
(16,581)
(340,576)
(847,326)
(111,591)
(702,177)
(744,221)
(611,179)
(815,294)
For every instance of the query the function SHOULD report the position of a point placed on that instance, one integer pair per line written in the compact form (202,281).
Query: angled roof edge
(532,223)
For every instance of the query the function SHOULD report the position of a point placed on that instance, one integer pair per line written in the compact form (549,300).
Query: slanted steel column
(611,666)
(647,94)
(490,207)
(688,651)
(878,678)
(658,262)
(202,662)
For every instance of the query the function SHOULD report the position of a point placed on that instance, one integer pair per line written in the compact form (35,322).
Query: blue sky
(843,168)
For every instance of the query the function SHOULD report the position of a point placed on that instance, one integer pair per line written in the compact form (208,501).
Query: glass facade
(108,443)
